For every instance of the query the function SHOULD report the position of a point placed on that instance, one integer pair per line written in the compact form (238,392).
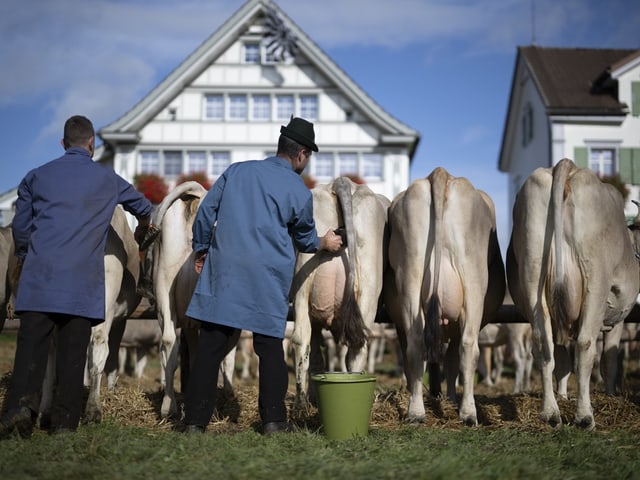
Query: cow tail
(558,294)
(432,332)
(353,330)
(190,188)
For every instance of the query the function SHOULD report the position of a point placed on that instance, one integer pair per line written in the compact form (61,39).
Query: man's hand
(141,232)
(199,261)
(331,242)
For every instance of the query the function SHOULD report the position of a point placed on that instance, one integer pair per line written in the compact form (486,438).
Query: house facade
(577,103)
(227,101)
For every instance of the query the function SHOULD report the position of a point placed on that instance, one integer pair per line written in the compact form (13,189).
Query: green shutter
(581,157)
(630,165)
(635,98)
(626,165)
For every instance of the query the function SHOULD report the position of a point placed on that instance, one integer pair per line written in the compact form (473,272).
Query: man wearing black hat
(261,210)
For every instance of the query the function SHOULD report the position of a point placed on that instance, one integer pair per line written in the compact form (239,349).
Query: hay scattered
(137,402)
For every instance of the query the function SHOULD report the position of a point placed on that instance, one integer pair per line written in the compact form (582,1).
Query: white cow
(141,337)
(174,280)
(339,292)
(514,338)
(445,277)
(122,269)
(7,265)
(573,271)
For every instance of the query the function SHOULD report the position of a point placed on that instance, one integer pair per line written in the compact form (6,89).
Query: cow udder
(327,291)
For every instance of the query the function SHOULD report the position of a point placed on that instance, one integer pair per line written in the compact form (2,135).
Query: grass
(113,451)
(510,443)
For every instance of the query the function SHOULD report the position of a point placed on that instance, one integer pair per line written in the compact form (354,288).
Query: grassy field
(510,442)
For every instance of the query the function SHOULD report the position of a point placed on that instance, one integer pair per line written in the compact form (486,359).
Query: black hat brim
(298,138)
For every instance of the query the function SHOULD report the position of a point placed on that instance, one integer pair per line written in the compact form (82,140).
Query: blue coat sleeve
(305,236)
(22,221)
(207,215)
(132,200)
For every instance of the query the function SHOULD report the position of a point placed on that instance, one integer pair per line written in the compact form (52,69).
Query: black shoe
(18,422)
(194,429)
(276,427)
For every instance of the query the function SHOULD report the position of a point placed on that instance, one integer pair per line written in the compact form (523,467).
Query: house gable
(173,117)
(586,106)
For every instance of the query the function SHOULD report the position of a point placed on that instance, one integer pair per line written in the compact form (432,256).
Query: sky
(442,67)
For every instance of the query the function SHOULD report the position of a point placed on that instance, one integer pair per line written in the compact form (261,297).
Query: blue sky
(442,67)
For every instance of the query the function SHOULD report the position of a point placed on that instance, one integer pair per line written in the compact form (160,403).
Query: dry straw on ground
(137,403)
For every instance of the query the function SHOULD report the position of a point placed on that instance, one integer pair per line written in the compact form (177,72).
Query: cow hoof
(92,417)
(470,421)
(552,419)
(587,423)
(168,408)
(416,419)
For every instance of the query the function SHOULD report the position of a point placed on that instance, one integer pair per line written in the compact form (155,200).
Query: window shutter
(581,157)
(630,157)
(635,98)
(626,165)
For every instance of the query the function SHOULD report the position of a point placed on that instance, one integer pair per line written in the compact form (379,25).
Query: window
(150,162)
(309,107)
(172,163)
(252,53)
(603,161)
(237,107)
(261,107)
(196,162)
(285,107)
(219,162)
(372,166)
(527,125)
(214,107)
(323,165)
(348,163)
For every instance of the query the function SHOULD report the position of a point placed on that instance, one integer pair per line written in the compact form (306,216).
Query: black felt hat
(301,131)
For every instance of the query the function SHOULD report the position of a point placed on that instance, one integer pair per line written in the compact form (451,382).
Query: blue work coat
(60,227)
(260,209)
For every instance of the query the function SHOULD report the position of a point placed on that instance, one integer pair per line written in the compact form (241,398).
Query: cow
(515,338)
(445,278)
(572,269)
(7,266)
(141,336)
(174,278)
(510,334)
(122,270)
(339,292)
(122,267)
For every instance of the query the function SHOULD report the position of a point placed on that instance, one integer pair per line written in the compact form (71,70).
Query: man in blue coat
(245,235)
(60,227)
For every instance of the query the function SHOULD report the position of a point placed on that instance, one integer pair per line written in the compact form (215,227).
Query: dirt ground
(137,401)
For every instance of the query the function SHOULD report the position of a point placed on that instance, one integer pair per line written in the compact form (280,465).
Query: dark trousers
(34,340)
(213,345)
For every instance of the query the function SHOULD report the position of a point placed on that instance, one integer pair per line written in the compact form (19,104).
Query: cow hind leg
(414,371)
(98,353)
(550,412)
(169,362)
(585,354)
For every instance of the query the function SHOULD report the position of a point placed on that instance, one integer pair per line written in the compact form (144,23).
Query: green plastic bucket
(344,401)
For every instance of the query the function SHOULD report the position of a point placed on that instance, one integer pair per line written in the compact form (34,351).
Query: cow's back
(593,250)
